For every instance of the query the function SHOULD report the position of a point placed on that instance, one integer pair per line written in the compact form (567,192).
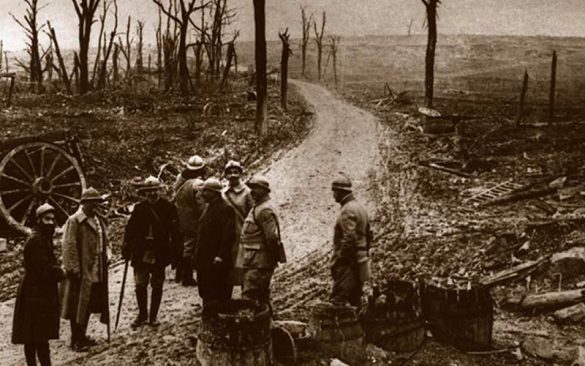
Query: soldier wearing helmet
(190,204)
(351,240)
(237,195)
(215,242)
(36,311)
(260,248)
(151,243)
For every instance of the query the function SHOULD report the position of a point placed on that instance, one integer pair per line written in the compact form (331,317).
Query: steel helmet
(195,162)
(259,181)
(151,183)
(91,194)
(212,184)
(341,183)
(232,164)
(43,209)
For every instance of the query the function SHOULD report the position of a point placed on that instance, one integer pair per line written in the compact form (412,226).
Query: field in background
(472,72)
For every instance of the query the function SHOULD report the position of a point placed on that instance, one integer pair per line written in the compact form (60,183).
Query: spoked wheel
(35,173)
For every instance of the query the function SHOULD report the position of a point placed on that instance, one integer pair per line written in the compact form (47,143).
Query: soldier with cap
(190,204)
(36,311)
(85,258)
(351,241)
(260,247)
(215,241)
(151,243)
(237,195)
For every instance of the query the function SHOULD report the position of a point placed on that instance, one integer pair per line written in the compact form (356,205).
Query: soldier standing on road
(187,198)
(36,311)
(237,195)
(260,247)
(151,243)
(85,258)
(215,241)
(351,240)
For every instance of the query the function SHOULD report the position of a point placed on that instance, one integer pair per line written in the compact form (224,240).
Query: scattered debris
(552,300)
(570,263)
(571,315)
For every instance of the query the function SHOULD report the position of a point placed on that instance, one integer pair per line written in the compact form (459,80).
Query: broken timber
(513,273)
(552,300)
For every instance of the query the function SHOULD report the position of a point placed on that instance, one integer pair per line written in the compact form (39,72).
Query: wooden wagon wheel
(34,173)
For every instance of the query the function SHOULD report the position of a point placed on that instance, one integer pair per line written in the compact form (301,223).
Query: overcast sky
(344,17)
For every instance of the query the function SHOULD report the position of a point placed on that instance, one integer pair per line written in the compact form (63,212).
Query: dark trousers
(347,286)
(256,286)
(40,349)
(214,284)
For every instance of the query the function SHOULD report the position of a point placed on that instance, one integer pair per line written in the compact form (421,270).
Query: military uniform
(257,255)
(350,247)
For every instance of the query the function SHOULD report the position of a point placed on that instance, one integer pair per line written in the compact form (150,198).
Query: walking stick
(121,296)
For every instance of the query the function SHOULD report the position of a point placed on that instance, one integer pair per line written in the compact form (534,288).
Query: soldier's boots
(141,299)
(155,300)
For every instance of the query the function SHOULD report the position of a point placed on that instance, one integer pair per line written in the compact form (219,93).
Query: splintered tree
(305,40)
(431,8)
(183,19)
(30,26)
(319,43)
(127,51)
(85,10)
(286,52)
(410,26)
(62,69)
(260,55)
(333,48)
(140,47)
(231,56)
(107,49)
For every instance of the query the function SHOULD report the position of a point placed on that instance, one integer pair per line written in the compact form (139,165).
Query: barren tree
(260,55)
(1,53)
(182,20)
(431,8)
(286,52)
(319,42)
(85,10)
(108,49)
(101,35)
(139,46)
(127,50)
(230,57)
(30,26)
(333,48)
(62,70)
(305,40)
(410,26)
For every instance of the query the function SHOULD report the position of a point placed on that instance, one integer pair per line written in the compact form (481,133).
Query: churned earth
(344,138)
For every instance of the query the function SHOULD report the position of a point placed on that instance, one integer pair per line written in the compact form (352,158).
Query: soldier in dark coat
(215,241)
(187,198)
(36,312)
(151,243)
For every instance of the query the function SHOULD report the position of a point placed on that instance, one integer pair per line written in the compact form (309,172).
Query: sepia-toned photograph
(281,182)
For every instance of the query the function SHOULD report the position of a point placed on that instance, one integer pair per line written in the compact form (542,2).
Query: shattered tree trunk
(431,7)
(30,26)
(319,44)
(140,47)
(103,75)
(115,70)
(286,52)
(230,56)
(85,12)
(62,68)
(553,85)
(305,40)
(522,99)
(260,56)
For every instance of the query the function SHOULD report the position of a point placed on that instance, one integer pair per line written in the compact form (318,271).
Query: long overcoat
(36,311)
(216,237)
(80,245)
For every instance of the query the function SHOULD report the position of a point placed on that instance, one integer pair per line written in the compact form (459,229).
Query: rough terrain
(344,138)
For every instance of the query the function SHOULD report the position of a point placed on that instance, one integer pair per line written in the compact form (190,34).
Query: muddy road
(344,138)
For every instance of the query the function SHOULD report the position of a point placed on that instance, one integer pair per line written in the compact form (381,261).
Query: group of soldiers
(226,236)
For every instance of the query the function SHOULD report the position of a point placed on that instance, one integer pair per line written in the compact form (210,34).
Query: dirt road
(344,138)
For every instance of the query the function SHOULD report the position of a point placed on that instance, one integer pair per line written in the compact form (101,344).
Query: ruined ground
(343,138)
